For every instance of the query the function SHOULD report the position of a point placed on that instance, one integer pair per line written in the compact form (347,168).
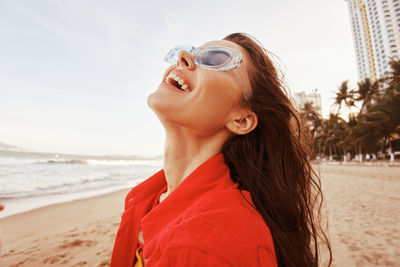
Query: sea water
(30,180)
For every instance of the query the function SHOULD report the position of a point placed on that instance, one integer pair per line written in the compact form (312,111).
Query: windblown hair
(272,163)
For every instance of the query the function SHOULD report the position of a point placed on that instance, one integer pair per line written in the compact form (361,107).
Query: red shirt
(205,221)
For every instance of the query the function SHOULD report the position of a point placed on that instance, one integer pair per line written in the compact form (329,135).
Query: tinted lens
(213,57)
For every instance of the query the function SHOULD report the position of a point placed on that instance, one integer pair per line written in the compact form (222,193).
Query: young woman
(237,187)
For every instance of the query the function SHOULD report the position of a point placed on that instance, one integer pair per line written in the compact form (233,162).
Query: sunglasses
(216,58)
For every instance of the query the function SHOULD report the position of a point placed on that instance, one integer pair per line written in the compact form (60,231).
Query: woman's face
(213,98)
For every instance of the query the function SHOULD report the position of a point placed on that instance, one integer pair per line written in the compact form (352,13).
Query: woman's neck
(183,154)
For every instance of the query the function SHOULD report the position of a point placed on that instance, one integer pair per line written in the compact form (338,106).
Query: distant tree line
(372,132)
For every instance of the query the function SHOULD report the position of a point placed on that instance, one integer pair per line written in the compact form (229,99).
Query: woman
(237,188)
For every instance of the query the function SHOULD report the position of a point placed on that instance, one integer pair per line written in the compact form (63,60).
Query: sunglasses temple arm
(241,86)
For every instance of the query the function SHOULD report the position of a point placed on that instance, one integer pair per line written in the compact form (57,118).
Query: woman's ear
(242,122)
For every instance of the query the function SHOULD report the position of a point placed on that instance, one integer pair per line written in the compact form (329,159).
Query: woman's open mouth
(177,82)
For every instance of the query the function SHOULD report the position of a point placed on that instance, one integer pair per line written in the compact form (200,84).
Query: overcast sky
(75,75)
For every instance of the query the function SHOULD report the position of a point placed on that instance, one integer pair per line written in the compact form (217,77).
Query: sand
(362,203)
(78,233)
(363,206)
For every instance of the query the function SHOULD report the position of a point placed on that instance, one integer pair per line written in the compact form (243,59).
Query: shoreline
(15,206)
(61,203)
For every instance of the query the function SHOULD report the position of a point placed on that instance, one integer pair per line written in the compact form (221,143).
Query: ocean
(30,180)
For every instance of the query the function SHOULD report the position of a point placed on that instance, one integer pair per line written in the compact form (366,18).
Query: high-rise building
(376,34)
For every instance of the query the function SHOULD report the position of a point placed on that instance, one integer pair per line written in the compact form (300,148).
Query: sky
(75,75)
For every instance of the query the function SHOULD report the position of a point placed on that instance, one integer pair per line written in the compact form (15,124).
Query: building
(376,35)
(301,97)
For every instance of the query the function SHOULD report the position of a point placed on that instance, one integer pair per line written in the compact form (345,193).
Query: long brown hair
(272,163)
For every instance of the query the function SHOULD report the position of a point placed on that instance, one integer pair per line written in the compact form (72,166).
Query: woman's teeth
(177,81)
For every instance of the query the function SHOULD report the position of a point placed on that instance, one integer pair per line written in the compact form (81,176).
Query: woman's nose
(186,60)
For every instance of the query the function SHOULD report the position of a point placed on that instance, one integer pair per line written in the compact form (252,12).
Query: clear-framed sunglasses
(216,58)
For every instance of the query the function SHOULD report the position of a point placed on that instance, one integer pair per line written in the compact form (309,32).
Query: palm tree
(308,111)
(384,116)
(344,97)
(312,120)
(376,125)
(346,136)
(393,76)
(329,133)
(365,92)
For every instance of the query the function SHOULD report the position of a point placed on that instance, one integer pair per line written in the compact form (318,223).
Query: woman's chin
(150,100)
(164,98)
(158,100)
(162,104)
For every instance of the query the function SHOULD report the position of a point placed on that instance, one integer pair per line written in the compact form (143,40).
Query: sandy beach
(78,233)
(362,203)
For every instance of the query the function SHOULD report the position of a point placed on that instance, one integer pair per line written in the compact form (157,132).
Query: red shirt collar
(212,175)
(142,208)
